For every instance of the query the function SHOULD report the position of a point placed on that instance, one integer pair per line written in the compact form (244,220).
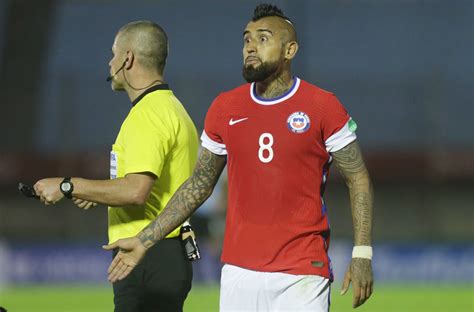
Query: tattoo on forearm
(351,165)
(362,217)
(190,195)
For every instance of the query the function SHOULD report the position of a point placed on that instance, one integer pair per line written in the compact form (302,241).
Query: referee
(154,153)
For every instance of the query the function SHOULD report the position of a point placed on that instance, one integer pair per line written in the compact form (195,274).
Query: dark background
(403,69)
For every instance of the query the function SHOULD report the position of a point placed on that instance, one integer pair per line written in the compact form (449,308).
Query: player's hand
(362,278)
(83,204)
(48,190)
(131,252)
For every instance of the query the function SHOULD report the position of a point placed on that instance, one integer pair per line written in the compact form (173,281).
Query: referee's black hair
(266,10)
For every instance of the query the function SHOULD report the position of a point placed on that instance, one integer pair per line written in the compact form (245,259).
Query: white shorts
(245,290)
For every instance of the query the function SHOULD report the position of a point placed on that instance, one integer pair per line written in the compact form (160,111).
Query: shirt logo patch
(233,122)
(113,165)
(298,122)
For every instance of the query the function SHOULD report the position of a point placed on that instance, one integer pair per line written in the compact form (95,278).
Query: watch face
(65,187)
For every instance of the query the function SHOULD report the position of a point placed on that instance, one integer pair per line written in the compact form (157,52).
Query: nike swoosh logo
(233,122)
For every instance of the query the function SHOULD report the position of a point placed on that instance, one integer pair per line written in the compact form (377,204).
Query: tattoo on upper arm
(349,159)
(189,196)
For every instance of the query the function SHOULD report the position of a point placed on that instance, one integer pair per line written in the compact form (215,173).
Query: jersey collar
(288,94)
(163,86)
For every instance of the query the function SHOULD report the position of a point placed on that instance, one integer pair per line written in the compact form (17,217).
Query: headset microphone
(121,67)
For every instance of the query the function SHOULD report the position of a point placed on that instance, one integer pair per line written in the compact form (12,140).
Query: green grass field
(387,298)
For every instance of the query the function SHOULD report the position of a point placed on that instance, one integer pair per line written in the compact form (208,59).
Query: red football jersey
(278,156)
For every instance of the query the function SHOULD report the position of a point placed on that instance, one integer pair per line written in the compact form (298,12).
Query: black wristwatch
(66,187)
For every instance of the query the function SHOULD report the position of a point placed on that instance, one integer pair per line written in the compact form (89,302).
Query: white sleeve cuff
(214,147)
(340,139)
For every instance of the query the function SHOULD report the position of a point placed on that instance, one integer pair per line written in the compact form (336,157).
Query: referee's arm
(133,189)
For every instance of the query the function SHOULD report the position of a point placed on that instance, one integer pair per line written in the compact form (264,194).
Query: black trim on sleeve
(163,86)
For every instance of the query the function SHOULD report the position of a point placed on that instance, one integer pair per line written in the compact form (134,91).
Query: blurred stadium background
(404,69)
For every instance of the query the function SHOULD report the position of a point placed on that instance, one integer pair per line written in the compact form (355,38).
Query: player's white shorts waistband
(245,290)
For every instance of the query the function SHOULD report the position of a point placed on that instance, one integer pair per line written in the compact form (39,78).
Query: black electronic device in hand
(190,245)
(27,190)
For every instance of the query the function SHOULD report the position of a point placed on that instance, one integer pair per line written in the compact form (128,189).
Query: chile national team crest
(298,122)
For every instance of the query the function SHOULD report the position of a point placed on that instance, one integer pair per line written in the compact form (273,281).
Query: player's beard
(259,73)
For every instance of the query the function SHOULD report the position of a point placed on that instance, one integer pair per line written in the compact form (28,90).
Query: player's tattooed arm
(187,198)
(351,165)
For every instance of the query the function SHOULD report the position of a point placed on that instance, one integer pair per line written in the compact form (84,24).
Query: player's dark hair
(267,10)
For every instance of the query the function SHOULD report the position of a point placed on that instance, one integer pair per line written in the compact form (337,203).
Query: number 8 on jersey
(265,147)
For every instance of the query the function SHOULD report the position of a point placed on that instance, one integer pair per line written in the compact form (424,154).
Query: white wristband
(362,252)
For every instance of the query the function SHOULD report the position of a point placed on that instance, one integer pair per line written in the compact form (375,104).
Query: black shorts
(160,282)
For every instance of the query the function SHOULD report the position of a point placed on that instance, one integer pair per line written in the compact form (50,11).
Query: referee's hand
(48,190)
(83,204)
(131,251)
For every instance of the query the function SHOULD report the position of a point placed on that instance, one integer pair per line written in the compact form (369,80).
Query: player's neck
(274,87)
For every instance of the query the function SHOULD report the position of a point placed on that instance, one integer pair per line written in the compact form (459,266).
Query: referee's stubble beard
(116,85)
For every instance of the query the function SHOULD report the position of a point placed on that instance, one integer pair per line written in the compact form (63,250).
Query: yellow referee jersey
(159,137)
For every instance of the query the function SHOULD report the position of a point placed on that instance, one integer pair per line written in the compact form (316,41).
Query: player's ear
(290,50)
